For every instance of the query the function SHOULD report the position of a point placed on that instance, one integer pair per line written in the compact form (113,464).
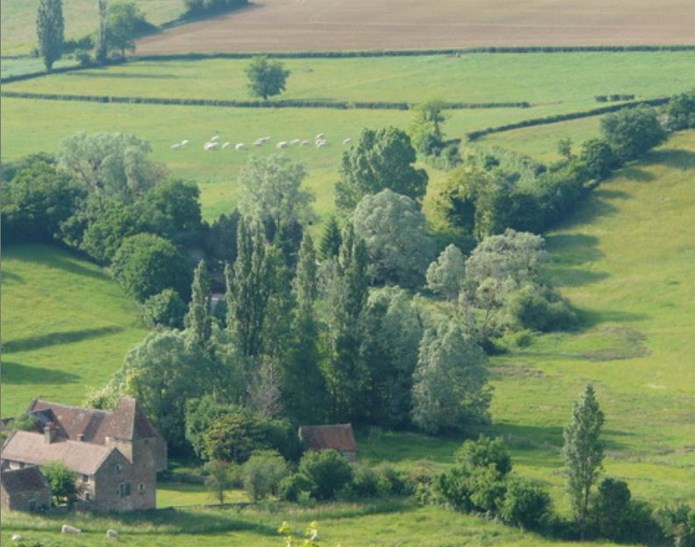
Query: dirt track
(302,25)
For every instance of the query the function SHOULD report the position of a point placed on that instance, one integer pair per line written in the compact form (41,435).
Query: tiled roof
(126,422)
(322,437)
(23,480)
(79,457)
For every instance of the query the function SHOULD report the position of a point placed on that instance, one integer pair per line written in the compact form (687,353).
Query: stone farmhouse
(24,489)
(338,437)
(115,456)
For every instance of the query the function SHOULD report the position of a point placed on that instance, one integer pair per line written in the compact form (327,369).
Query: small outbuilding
(338,437)
(24,489)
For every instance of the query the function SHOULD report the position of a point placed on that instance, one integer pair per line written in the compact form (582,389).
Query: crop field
(18,20)
(65,326)
(292,25)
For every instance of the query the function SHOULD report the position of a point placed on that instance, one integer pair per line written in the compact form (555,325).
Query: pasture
(324,25)
(65,326)
(18,20)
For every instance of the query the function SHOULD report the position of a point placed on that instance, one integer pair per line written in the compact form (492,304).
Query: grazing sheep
(347,141)
(215,138)
(211,146)
(175,146)
(112,533)
(281,144)
(321,143)
(226,145)
(303,143)
(294,142)
(320,137)
(265,139)
(67,529)
(259,142)
(240,146)
(184,142)
(17,537)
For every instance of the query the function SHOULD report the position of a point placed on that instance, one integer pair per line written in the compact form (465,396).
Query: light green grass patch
(66,326)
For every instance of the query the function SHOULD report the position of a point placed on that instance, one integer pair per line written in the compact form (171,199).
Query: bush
(526,504)
(263,473)
(681,111)
(83,57)
(292,486)
(327,472)
(542,309)
(599,158)
(164,309)
(632,132)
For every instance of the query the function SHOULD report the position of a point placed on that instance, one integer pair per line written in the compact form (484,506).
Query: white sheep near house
(226,145)
(281,144)
(67,529)
(239,147)
(211,146)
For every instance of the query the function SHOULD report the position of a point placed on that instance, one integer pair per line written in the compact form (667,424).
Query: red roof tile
(323,437)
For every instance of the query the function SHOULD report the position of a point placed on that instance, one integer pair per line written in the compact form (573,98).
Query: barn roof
(323,437)
(30,447)
(28,479)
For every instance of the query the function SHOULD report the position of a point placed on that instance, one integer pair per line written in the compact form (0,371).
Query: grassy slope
(65,325)
(19,20)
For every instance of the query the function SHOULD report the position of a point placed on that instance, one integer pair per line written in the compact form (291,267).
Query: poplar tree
(248,288)
(198,320)
(583,454)
(303,385)
(102,45)
(50,30)
(347,376)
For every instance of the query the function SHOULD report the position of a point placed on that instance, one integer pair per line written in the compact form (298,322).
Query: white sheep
(320,137)
(295,142)
(215,138)
(184,142)
(259,142)
(226,145)
(17,537)
(67,529)
(347,141)
(265,139)
(175,146)
(321,143)
(112,533)
(211,146)
(281,144)
(240,146)
(303,143)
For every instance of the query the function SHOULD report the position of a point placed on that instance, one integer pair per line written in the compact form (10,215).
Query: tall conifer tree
(50,29)
(198,320)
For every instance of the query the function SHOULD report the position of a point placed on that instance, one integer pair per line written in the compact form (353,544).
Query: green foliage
(61,481)
(583,454)
(681,111)
(381,159)
(110,164)
(541,308)
(273,193)
(266,77)
(394,231)
(146,264)
(426,132)
(50,29)
(526,504)
(101,48)
(36,202)
(450,389)
(262,474)
(219,479)
(220,241)
(678,524)
(485,452)
(632,132)
(327,472)
(198,319)
(125,22)
(330,240)
(392,329)
(293,486)
(236,434)
(444,276)
(200,413)
(599,158)
(198,8)
(165,309)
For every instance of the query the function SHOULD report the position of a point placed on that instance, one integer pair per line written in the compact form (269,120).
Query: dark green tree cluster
(267,77)
(200,8)
(428,137)
(50,29)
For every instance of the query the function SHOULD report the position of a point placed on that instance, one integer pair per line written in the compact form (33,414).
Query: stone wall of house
(25,501)
(112,484)
(143,454)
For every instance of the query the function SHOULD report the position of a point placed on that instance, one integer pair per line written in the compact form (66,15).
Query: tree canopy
(381,159)
(50,29)
(266,77)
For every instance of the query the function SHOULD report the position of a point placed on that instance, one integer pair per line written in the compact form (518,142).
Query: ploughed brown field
(308,25)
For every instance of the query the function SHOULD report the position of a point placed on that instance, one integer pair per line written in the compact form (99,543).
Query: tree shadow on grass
(61,260)
(57,338)
(636,174)
(683,160)
(16,373)
(571,250)
(6,276)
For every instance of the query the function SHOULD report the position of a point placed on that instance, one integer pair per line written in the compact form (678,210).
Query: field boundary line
(224,103)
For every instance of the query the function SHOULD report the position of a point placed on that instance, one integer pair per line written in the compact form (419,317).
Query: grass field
(571,80)
(18,20)
(282,25)
(65,326)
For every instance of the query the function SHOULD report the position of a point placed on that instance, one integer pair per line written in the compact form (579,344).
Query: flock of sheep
(214,143)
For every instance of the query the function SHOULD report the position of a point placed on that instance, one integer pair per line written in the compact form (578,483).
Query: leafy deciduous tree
(632,132)
(266,77)
(445,275)
(62,482)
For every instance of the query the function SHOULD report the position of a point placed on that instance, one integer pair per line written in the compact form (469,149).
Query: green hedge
(282,103)
(474,135)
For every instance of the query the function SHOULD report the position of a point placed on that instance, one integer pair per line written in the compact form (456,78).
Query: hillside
(66,326)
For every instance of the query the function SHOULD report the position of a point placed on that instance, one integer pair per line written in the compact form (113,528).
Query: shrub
(61,481)
(262,474)
(541,308)
(526,504)
(599,158)
(681,111)
(164,309)
(632,132)
(292,486)
(327,472)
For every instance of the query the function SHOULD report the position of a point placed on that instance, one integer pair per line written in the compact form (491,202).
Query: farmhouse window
(119,468)
(141,487)
(124,489)
(85,478)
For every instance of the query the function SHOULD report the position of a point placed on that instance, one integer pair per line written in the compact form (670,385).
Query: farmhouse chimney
(49,433)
